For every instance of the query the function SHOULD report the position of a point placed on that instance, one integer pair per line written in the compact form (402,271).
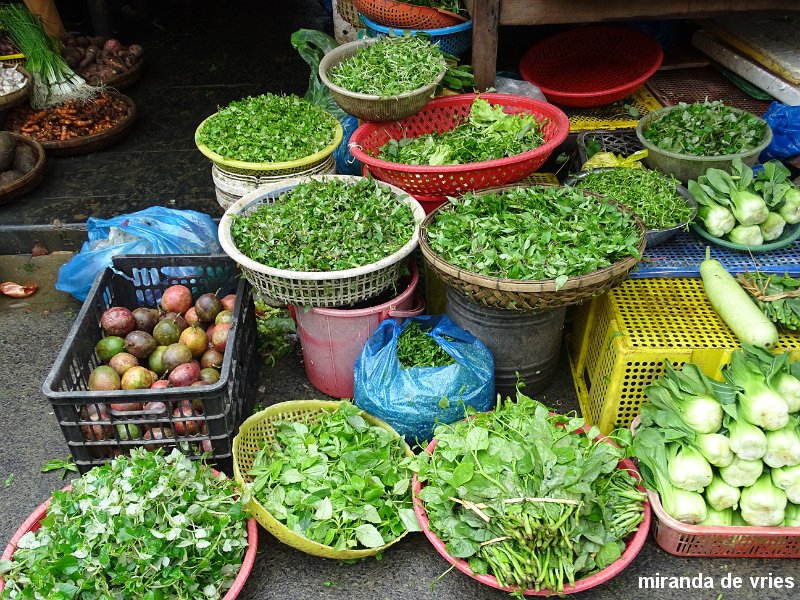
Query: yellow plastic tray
(620,341)
(613,116)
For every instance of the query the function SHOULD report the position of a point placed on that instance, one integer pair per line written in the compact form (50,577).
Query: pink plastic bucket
(332,338)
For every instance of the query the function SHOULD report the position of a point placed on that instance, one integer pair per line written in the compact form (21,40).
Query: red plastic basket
(407,16)
(33,523)
(632,546)
(742,542)
(591,66)
(443,114)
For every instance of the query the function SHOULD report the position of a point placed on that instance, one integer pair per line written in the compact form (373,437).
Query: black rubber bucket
(524,342)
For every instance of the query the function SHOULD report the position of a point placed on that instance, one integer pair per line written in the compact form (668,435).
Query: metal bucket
(524,342)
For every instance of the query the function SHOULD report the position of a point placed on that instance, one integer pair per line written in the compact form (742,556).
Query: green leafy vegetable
(488,133)
(276,332)
(56,464)
(389,66)
(705,129)
(535,515)
(325,225)
(454,6)
(535,233)
(417,348)
(337,480)
(141,525)
(650,194)
(268,128)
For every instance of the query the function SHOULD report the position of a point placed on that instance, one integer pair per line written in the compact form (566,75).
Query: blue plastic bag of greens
(154,230)
(413,399)
(785,124)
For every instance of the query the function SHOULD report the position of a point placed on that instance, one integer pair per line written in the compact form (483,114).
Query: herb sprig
(338,480)
(417,348)
(325,225)
(536,233)
(705,129)
(138,525)
(650,194)
(488,133)
(390,66)
(268,128)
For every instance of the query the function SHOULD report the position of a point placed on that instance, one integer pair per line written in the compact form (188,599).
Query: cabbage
(741,473)
(688,470)
(720,495)
(762,503)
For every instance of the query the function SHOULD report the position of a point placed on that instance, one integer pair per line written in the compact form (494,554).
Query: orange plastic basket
(407,16)
(446,113)
(700,540)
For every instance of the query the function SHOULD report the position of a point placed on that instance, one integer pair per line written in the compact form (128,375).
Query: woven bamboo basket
(18,96)
(259,431)
(514,294)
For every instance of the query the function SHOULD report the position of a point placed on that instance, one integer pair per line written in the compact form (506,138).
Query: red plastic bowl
(632,546)
(33,522)
(591,66)
(443,114)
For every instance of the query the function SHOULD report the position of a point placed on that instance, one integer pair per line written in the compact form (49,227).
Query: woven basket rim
(10,191)
(551,112)
(228,245)
(274,412)
(338,54)
(388,29)
(530,286)
(273,166)
(658,114)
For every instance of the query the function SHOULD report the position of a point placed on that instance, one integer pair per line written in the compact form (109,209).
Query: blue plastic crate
(681,257)
(455,40)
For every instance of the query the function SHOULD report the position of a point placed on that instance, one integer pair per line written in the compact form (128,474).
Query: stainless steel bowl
(655,237)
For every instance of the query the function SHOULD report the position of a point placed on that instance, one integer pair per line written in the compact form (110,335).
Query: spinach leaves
(650,194)
(337,480)
(390,66)
(268,128)
(487,133)
(143,526)
(705,129)
(535,233)
(521,495)
(325,225)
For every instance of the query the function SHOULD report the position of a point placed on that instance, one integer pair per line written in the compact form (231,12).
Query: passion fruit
(146,318)
(166,332)
(122,362)
(177,299)
(117,320)
(224,316)
(140,343)
(184,375)
(228,302)
(219,339)
(208,306)
(209,376)
(195,339)
(104,379)
(211,358)
(155,363)
(109,346)
(138,378)
(175,355)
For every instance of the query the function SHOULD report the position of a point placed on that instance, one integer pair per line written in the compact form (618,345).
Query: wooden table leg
(484,41)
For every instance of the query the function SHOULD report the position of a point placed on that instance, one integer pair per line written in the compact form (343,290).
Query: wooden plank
(537,12)
(484,41)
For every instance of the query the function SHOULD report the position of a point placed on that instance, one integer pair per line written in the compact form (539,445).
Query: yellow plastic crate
(620,340)
(612,116)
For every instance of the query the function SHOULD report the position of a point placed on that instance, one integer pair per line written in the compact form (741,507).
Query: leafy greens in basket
(325,225)
(339,481)
(488,133)
(535,233)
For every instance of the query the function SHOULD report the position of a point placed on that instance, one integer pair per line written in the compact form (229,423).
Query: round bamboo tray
(98,141)
(19,96)
(31,179)
(515,294)
(124,80)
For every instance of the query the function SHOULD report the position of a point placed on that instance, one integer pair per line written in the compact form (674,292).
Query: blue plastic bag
(413,400)
(784,121)
(154,230)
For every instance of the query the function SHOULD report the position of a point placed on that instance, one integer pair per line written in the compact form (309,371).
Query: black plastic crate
(217,410)
(618,141)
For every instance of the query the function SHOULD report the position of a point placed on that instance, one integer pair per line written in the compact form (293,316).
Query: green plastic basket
(788,237)
(685,166)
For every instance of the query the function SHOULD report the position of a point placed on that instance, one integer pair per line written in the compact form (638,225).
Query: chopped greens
(488,133)
(706,129)
(142,523)
(389,66)
(523,495)
(325,225)
(267,129)
(650,194)
(535,233)
(336,480)
(417,348)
